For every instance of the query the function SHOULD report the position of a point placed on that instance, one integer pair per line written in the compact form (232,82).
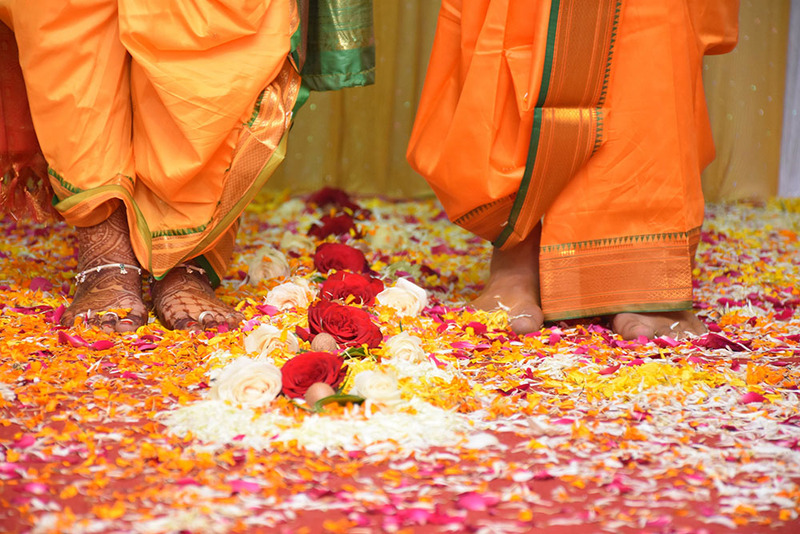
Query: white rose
(248,382)
(290,209)
(405,347)
(268,263)
(387,238)
(406,297)
(267,338)
(377,387)
(296,242)
(297,293)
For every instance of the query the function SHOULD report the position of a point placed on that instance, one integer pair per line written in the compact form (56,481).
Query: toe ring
(109,313)
(201,317)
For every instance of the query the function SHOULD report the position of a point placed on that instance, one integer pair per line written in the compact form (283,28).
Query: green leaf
(412,269)
(338,398)
(355,352)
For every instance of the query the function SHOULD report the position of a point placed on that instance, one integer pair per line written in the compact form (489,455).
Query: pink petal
(8,468)
(103,344)
(266,309)
(608,370)
(243,485)
(472,501)
(37,488)
(553,339)
(25,441)
(752,396)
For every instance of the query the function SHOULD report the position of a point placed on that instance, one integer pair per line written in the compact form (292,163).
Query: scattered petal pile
(362,394)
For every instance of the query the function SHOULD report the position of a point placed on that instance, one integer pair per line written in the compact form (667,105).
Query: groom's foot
(108,290)
(513,285)
(677,325)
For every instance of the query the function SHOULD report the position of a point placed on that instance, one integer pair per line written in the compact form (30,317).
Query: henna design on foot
(108,291)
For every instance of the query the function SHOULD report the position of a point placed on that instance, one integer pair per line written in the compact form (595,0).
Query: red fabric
(24,187)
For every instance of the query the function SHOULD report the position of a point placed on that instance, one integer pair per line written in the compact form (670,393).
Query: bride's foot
(514,285)
(108,290)
(185,300)
(650,325)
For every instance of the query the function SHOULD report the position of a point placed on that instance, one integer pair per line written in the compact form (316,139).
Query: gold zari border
(629,274)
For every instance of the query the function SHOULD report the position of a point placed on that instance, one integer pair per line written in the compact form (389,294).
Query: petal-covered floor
(569,429)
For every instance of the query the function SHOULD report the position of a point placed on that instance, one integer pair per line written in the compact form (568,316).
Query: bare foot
(677,324)
(108,290)
(185,300)
(514,285)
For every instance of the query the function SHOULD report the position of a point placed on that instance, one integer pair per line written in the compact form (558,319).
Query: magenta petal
(187,481)
(75,341)
(243,485)
(58,313)
(462,345)
(40,284)
(479,328)
(752,396)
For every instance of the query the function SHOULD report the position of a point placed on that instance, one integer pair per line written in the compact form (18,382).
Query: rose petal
(75,341)
(40,284)
(752,396)
(103,344)
(608,370)
(239,485)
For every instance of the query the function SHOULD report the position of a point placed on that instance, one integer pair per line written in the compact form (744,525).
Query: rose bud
(324,342)
(317,391)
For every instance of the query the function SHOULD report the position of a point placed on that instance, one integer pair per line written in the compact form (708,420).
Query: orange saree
(587,116)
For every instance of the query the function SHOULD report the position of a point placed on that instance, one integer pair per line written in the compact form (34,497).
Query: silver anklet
(123,269)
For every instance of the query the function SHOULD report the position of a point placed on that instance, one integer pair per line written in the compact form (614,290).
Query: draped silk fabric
(590,116)
(177,110)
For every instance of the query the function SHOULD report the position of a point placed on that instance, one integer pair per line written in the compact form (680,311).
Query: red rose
(342,284)
(305,369)
(349,326)
(340,257)
(331,196)
(334,225)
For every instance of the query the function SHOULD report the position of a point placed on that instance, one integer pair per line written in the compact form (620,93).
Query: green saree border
(533,146)
(649,307)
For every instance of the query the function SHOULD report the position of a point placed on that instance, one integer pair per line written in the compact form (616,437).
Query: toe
(525,319)
(186,323)
(629,327)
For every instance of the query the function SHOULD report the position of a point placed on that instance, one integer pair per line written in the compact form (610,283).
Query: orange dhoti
(589,117)
(176,110)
